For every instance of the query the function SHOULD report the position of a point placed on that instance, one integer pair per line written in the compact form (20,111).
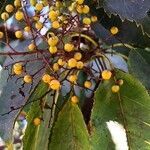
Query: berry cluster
(70,45)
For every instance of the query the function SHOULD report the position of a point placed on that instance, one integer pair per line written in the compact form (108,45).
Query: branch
(21,53)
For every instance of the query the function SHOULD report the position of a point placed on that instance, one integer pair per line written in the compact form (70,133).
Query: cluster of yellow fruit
(80,8)
(53,83)
(106,75)
(18,70)
(74,59)
(68,47)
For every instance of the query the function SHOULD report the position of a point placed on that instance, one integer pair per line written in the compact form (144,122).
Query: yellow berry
(86,9)
(17,3)
(94,18)
(114,30)
(106,75)
(38,25)
(80,1)
(54,84)
(73,78)
(87,21)
(77,56)
(18,34)
(58,4)
(1,35)
(53,49)
(53,15)
(61,62)
(115,88)
(18,67)
(79,9)
(9,8)
(74,99)
(37,121)
(52,41)
(120,82)
(80,65)
(27,29)
(39,6)
(72,7)
(27,79)
(72,63)
(69,47)
(47,78)
(45,2)
(18,72)
(4,16)
(36,18)
(87,84)
(31,47)
(55,67)
(55,25)
(19,15)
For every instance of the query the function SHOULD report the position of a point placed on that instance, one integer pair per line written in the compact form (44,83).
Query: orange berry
(39,25)
(17,3)
(74,99)
(1,35)
(54,84)
(37,121)
(9,8)
(94,18)
(39,6)
(72,63)
(19,34)
(47,78)
(52,41)
(87,84)
(120,82)
(77,56)
(19,15)
(53,15)
(69,47)
(53,49)
(55,25)
(106,75)
(27,29)
(80,1)
(4,16)
(61,62)
(86,9)
(87,21)
(27,79)
(79,9)
(80,65)
(114,30)
(18,72)
(32,47)
(55,67)
(18,67)
(73,78)
(115,88)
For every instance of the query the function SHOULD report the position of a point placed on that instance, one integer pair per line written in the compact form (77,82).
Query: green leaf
(69,132)
(130,107)
(36,137)
(128,31)
(131,10)
(139,65)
